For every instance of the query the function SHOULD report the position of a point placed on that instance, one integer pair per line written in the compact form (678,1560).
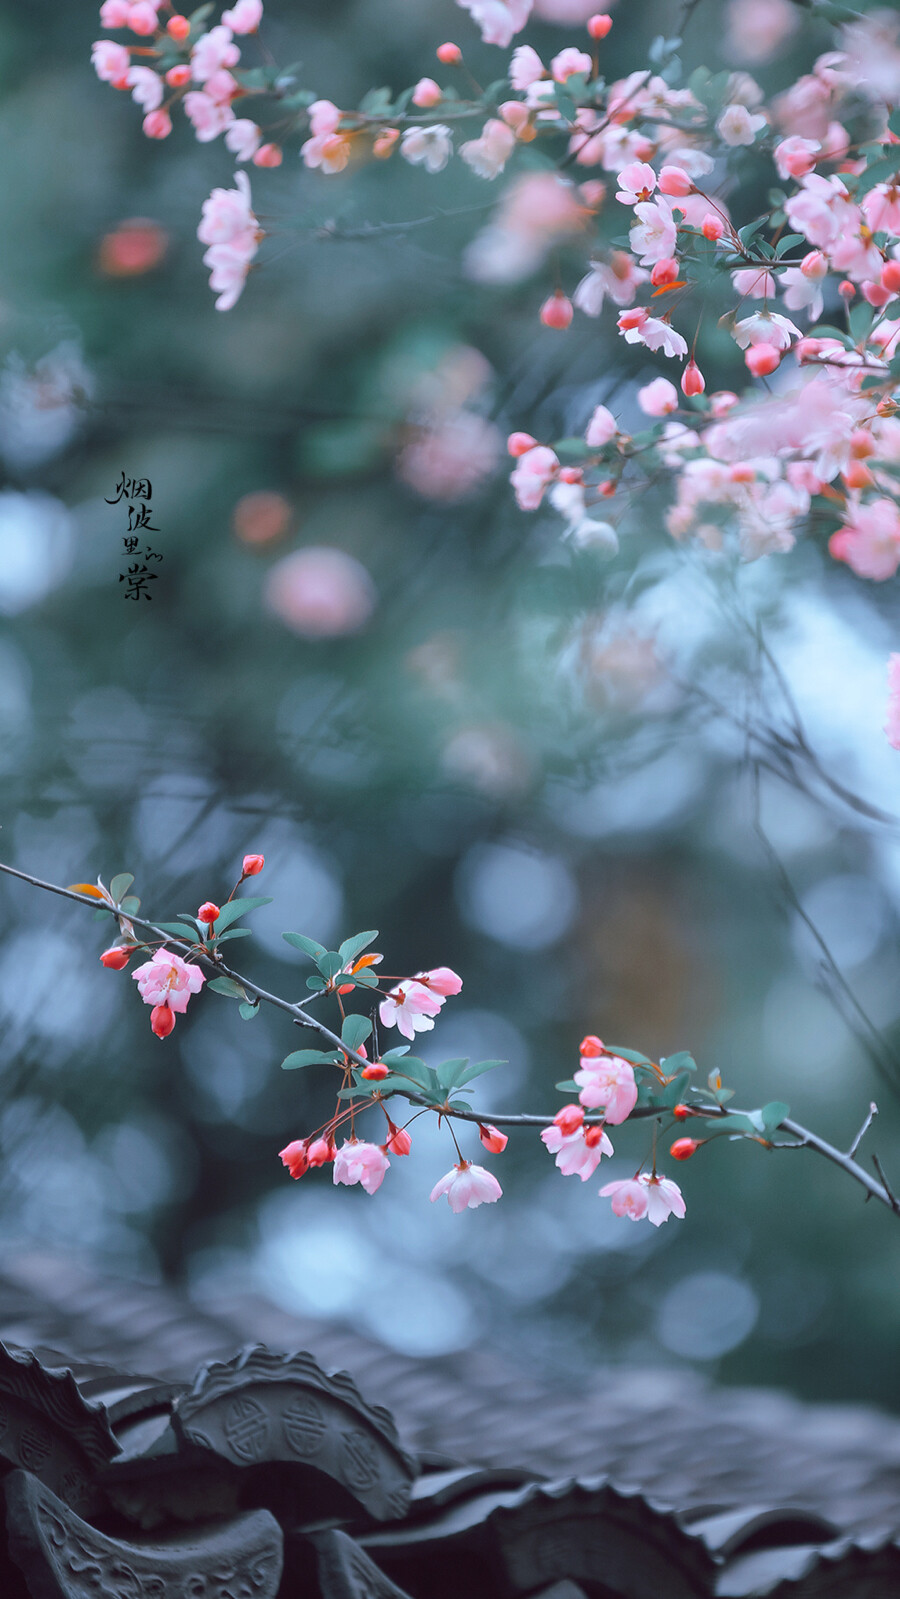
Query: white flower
(737,125)
(429,147)
(488,155)
(766,327)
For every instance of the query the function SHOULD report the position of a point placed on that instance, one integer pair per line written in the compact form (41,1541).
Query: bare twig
(873,1112)
(892,1199)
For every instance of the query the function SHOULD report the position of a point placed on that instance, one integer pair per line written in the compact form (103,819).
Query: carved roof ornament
(262,1407)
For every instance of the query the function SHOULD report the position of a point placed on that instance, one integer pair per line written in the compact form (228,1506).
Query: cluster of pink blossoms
(607,1082)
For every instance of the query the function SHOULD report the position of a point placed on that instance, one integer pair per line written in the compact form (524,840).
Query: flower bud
(376,1073)
(208,913)
(675,182)
(682,1112)
(814,265)
(684,1148)
(450,54)
(598,26)
(808,350)
(712,227)
(162,1020)
(320,1152)
(846,289)
(157,125)
(178,28)
(876,294)
(557,312)
(294,1157)
(890,276)
(664,272)
(857,475)
(268,155)
(520,443)
(427,93)
(493,1140)
(116,957)
(762,359)
(634,318)
(607,488)
(593,1136)
(253,865)
(384,143)
(591,1045)
(692,379)
(569,1119)
(571,474)
(177,77)
(399,1142)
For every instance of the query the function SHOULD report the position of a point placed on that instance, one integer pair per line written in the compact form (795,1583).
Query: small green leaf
(787,243)
(364,979)
(396,1053)
(227,985)
(636,1058)
(683,1061)
(309,1057)
(308,945)
(568,1087)
(731,1124)
(355,1030)
(234,932)
(329,964)
(178,930)
(774,1114)
(476,1070)
(675,1091)
(316,984)
(120,885)
(238,907)
(248,1010)
(449,1070)
(130,905)
(352,947)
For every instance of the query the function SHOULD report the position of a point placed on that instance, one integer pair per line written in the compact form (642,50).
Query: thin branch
(892,1199)
(873,1112)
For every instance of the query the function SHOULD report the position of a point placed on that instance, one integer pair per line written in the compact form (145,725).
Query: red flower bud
(664,272)
(712,227)
(682,1112)
(320,1152)
(294,1157)
(116,957)
(268,155)
(692,379)
(592,1045)
(178,28)
(569,1119)
(599,25)
(162,1020)
(593,1136)
(376,1073)
(493,1140)
(208,913)
(449,54)
(846,289)
(177,77)
(519,443)
(399,1142)
(762,359)
(253,865)
(890,276)
(557,312)
(684,1148)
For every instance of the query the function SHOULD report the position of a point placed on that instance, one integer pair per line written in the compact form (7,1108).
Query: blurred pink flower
(212,52)
(320,592)
(467,1187)
(756,29)
(892,726)
(629,1198)
(244,17)
(658,398)
(146,87)
(869,541)
(498,19)
(365,1164)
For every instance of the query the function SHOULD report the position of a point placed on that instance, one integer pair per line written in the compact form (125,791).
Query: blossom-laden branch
(611,1086)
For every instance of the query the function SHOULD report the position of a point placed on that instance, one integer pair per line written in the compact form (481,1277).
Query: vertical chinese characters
(137,494)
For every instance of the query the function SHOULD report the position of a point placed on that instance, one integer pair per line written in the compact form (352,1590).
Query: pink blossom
(794,157)
(765,327)
(653,234)
(498,20)
(569,62)
(489,154)
(664,1199)
(114,13)
(756,28)
(221,88)
(244,17)
(882,208)
(534,470)
(328,151)
(601,428)
(166,979)
(637,182)
(228,268)
(657,335)
(324,117)
(607,1081)
(410,1007)
(754,283)
(441,980)
(526,68)
(674,181)
(658,398)
(427,93)
(212,52)
(242,138)
(467,1186)
(365,1164)
(146,87)
(629,1198)
(802,291)
(450,456)
(206,117)
(321,592)
(575,1157)
(429,147)
(617,280)
(869,541)
(491,1137)
(142,18)
(892,726)
(736,125)
(820,210)
(227,217)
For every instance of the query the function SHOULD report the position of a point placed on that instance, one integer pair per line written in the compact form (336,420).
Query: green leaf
(309,1057)
(787,243)
(329,964)
(130,905)
(568,1087)
(633,1055)
(565,104)
(824,330)
(750,229)
(355,1030)
(352,947)
(316,984)
(674,1092)
(471,1072)
(773,1114)
(860,319)
(376,102)
(449,1070)
(120,885)
(731,1124)
(573,449)
(308,945)
(683,1061)
(178,930)
(238,907)
(227,985)
(412,1066)
(364,979)
(396,1053)
(248,1010)
(234,932)
(878,172)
